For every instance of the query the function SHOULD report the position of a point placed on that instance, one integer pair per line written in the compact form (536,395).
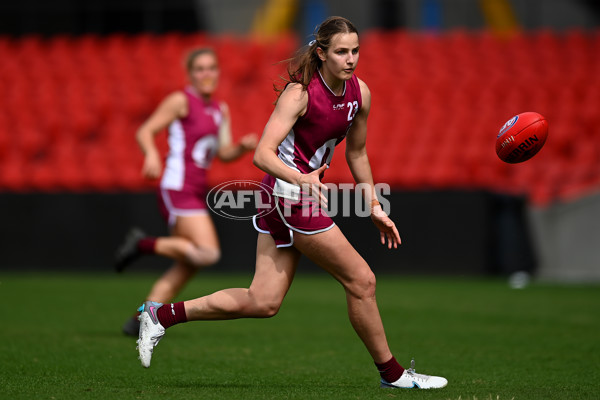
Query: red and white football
(521,137)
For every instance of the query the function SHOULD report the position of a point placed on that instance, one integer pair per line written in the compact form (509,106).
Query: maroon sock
(147,245)
(171,314)
(390,370)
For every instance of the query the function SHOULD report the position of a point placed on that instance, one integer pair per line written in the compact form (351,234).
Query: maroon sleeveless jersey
(193,143)
(307,147)
(328,117)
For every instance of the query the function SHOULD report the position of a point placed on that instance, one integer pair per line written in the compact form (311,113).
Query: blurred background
(78,78)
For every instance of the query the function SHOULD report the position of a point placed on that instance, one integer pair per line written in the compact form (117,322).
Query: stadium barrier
(566,236)
(443,232)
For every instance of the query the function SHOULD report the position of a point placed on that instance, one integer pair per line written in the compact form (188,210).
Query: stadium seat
(438,102)
(13,177)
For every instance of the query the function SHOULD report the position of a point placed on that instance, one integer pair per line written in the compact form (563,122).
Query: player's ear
(321,54)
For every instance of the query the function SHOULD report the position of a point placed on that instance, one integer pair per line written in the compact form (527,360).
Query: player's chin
(207,90)
(346,74)
(207,87)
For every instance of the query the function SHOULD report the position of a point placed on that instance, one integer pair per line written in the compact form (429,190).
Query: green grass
(60,339)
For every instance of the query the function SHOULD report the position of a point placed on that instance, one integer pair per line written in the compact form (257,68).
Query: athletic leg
(171,282)
(332,252)
(275,269)
(193,244)
(193,241)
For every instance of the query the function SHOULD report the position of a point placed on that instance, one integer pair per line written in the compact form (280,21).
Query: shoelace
(418,377)
(414,375)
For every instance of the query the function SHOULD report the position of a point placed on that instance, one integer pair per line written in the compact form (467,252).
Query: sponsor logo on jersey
(337,107)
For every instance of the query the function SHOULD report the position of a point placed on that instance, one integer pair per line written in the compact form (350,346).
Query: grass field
(60,339)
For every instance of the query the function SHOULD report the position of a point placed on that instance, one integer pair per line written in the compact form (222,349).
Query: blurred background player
(323,103)
(199,129)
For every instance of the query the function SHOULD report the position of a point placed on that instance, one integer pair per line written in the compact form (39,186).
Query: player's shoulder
(364,89)
(293,99)
(365,94)
(294,89)
(177,97)
(293,93)
(177,102)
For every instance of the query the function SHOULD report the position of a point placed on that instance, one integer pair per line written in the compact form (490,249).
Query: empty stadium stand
(70,107)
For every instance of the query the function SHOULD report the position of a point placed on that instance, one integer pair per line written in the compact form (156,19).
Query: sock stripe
(171,314)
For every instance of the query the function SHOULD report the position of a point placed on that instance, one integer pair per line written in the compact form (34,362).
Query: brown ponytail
(306,61)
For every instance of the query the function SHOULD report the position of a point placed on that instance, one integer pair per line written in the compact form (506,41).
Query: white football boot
(151,331)
(410,379)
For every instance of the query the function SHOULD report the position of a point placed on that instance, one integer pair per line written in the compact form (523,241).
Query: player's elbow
(139,134)
(142,135)
(259,160)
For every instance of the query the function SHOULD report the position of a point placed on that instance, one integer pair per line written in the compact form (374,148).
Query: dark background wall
(159,16)
(444,232)
(106,16)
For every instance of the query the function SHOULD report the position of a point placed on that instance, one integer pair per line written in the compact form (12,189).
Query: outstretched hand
(386,227)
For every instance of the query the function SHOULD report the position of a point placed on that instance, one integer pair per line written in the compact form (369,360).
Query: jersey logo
(337,107)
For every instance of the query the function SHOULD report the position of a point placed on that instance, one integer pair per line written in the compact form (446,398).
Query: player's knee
(212,256)
(200,258)
(363,285)
(266,308)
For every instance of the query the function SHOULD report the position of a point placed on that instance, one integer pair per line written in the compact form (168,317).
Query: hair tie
(312,42)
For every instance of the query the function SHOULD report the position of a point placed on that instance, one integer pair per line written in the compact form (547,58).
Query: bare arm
(291,105)
(356,143)
(227,150)
(358,162)
(172,107)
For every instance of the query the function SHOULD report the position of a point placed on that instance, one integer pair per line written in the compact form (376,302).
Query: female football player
(199,130)
(323,103)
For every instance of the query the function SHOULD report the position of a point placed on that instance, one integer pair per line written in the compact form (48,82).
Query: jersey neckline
(328,88)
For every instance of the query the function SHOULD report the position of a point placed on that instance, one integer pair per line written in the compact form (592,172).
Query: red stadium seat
(14,175)
(438,102)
